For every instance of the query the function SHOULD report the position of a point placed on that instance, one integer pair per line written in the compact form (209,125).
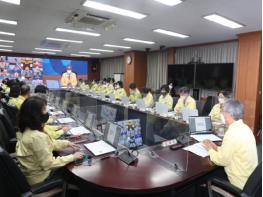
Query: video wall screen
(28,68)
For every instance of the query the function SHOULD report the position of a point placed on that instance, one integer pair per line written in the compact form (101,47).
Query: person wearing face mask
(147,97)
(119,90)
(166,97)
(185,100)
(34,147)
(110,88)
(215,113)
(238,152)
(135,94)
(69,78)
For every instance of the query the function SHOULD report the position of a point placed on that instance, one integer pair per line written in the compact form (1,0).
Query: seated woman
(215,113)
(34,148)
(119,90)
(185,100)
(166,97)
(135,94)
(147,97)
(15,98)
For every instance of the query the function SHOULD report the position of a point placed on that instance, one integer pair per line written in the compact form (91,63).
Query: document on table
(65,120)
(203,137)
(99,148)
(197,149)
(56,113)
(79,130)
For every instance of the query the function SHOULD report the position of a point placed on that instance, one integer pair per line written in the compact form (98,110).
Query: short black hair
(15,91)
(120,83)
(41,89)
(145,90)
(226,94)
(25,89)
(165,87)
(30,112)
(132,86)
(184,90)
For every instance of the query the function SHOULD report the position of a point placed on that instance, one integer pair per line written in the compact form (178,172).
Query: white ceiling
(37,19)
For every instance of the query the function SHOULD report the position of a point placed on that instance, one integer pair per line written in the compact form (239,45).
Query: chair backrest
(253,186)
(12,180)
(12,112)
(3,136)
(7,123)
(199,106)
(207,106)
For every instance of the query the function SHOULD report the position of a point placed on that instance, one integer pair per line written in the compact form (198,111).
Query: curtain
(215,53)
(156,69)
(109,66)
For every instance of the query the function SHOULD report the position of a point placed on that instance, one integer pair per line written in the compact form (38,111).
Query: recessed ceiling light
(79,55)
(102,50)
(44,49)
(169,2)
(6,46)
(223,21)
(8,22)
(139,41)
(170,33)
(91,53)
(7,50)
(77,32)
(44,52)
(116,46)
(17,2)
(8,41)
(113,9)
(64,40)
(7,33)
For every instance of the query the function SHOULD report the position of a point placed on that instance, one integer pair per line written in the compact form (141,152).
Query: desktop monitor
(53,84)
(200,124)
(108,113)
(90,120)
(112,134)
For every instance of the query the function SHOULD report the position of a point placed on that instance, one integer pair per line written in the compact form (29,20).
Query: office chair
(199,106)
(207,106)
(10,128)
(252,188)
(14,183)
(8,144)
(11,111)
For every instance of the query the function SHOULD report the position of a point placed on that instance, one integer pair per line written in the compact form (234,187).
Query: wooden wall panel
(171,56)
(248,77)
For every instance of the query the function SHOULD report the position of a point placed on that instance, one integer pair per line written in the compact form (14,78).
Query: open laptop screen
(53,84)
(112,134)
(199,124)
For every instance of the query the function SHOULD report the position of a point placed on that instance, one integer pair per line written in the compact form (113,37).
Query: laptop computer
(125,100)
(186,112)
(161,108)
(140,104)
(90,120)
(53,84)
(109,143)
(200,125)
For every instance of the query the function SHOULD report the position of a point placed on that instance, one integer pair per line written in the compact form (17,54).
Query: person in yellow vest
(215,113)
(166,97)
(15,99)
(238,152)
(135,94)
(69,78)
(147,97)
(119,90)
(94,85)
(110,87)
(185,100)
(34,148)
(81,84)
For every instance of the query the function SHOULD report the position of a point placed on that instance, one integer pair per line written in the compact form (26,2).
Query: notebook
(200,125)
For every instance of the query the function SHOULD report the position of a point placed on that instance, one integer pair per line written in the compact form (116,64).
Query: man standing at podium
(69,78)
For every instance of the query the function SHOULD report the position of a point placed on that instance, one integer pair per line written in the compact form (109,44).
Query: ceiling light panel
(7,41)
(44,52)
(116,46)
(9,22)
(169,2)
(223,21)
(138,41)
(16,2)
(7,33)
(79,55)
(64,40)
(77,32)
(6,46)
(102,50)
(7,50)
(88,52)
(170,33)
(45,49)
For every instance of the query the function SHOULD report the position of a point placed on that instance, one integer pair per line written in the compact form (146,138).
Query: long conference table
(158,169)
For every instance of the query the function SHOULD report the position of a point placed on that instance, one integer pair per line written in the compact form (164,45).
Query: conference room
(131,98)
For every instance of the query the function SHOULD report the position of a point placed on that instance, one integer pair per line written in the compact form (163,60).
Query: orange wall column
(248,77)
(136,71)
(170,56)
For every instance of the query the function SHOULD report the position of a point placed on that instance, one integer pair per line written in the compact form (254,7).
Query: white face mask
(221,100)
(69,71)
(183,97)
(117,87)
(222,118)
(170,86)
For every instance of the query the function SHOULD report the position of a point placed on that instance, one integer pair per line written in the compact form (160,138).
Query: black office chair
(14,183)
(199,107)
(10,128)
(12,112)
(207,107)
(252,188)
